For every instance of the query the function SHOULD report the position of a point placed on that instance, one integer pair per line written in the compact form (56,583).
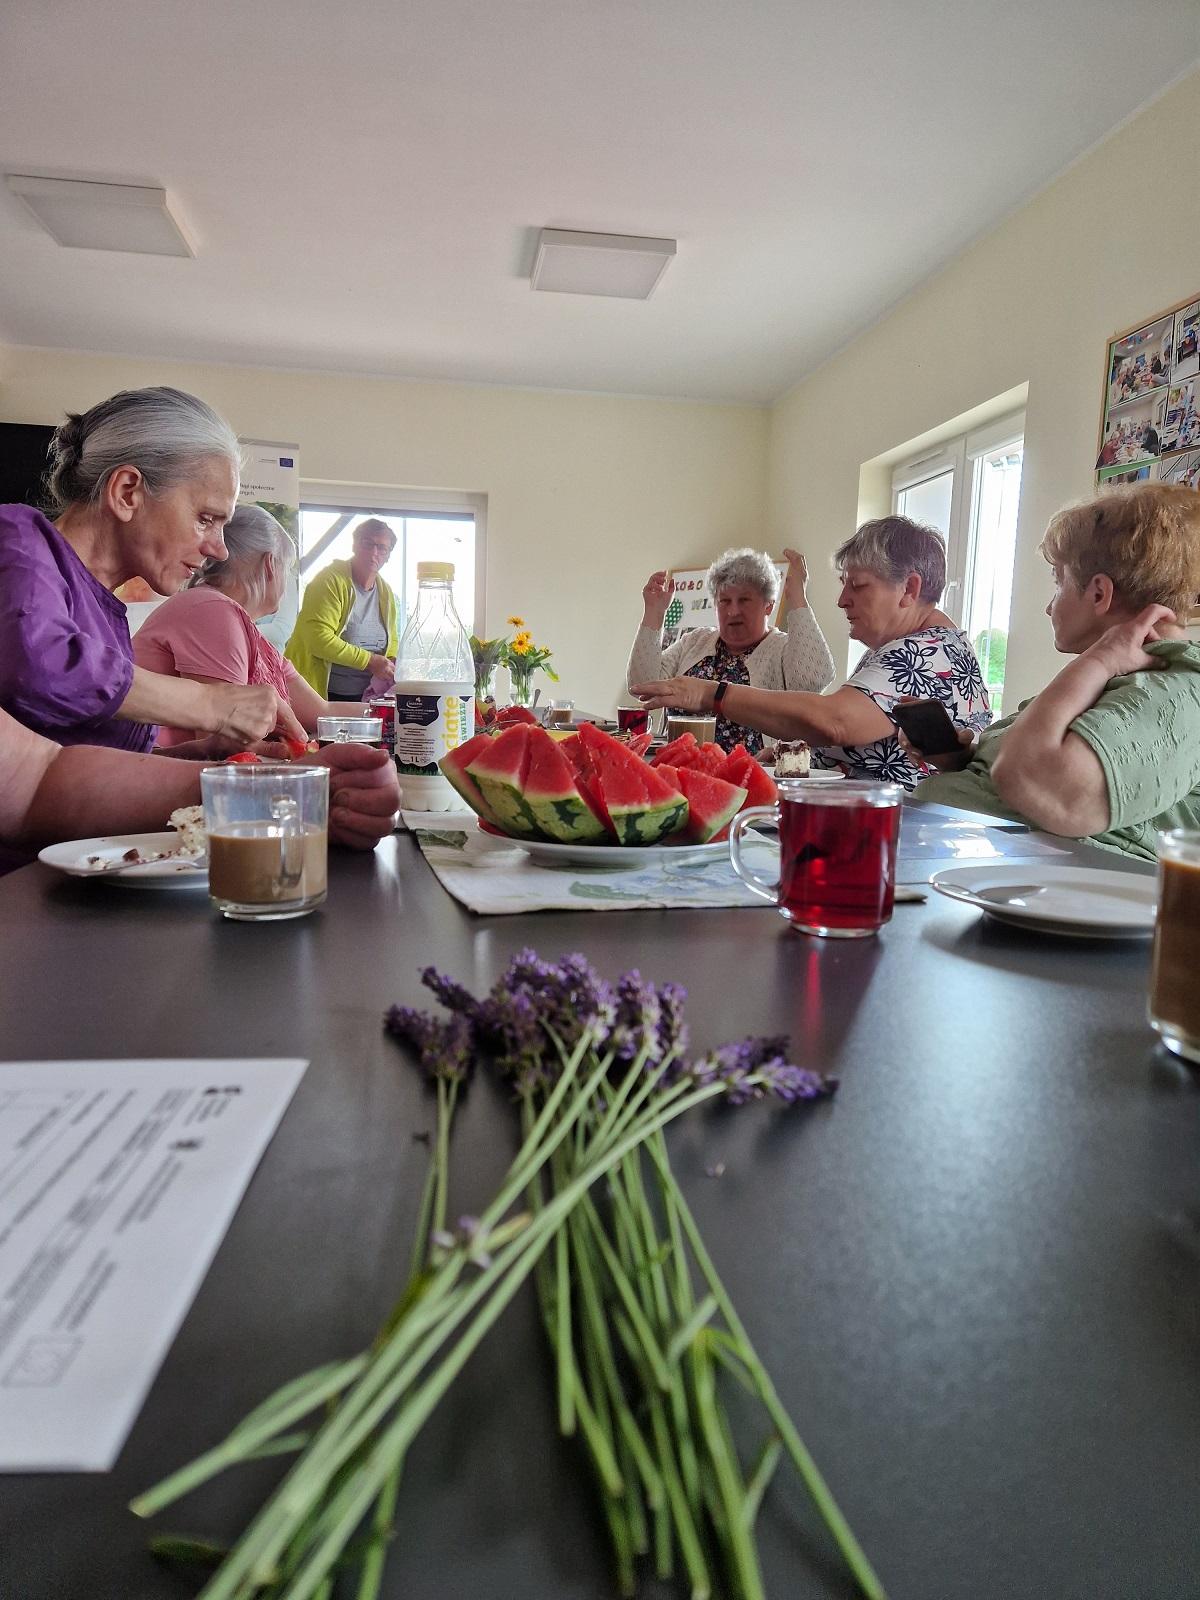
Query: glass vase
(483,683)
(521,686)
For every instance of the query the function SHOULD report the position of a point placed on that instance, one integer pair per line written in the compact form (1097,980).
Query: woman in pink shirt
(207,632)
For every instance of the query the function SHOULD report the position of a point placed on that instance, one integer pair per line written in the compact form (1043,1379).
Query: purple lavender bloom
(792,1084)
(638,1015)
(756,1067)
(444,1049)
(672,1029)
(569,998)
(451,993)
(508,1022)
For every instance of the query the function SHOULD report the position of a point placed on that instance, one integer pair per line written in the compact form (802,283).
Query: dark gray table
(975,1274)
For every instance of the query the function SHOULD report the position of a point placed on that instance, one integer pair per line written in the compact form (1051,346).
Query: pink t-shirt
(202,633)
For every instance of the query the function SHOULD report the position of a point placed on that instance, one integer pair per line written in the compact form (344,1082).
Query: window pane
(997,492)
(929,501)
(445,539)
(417,539)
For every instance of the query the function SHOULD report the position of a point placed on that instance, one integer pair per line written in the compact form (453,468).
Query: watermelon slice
(641,806)
(550,791)
(639,743)
(712,804)
(454,766)
(709,758)
(755,779)
(500,772)
(673,754)
(510,716)
(585,778)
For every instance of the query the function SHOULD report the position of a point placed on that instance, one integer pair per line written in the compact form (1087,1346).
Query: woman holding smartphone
(1110,749)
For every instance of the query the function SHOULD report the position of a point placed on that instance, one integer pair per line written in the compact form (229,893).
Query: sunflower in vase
(523,658)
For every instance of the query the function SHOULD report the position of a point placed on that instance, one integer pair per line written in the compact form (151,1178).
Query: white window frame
(396,502)
(960,456)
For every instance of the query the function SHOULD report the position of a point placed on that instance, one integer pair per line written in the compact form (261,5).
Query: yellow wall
(1109,244)
(586,494)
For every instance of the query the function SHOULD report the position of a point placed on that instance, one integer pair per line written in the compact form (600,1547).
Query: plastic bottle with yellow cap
(435,691)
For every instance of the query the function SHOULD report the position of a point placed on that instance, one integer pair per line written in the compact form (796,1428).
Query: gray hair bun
(163,432)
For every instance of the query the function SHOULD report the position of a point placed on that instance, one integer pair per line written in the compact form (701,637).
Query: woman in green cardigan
(346,633)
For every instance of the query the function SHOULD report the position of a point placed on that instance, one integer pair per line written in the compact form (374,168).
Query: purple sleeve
(54,673)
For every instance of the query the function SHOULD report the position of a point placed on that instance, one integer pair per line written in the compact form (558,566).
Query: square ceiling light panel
(617,264)
(104,216)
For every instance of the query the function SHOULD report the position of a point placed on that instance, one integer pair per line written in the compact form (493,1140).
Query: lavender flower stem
(852,1551)
(295,1400)
(253,1559)
(350,1501)
(730,1491)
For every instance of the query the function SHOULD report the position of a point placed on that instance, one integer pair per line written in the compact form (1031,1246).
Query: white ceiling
(364,181)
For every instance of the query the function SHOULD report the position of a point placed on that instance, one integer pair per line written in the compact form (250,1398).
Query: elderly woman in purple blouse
(140,486)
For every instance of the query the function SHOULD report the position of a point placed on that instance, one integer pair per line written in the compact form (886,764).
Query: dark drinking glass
(633,719)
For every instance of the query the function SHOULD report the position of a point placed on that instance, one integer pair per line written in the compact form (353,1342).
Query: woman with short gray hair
(893,572)
(140,486)
(744,647)
(209,631)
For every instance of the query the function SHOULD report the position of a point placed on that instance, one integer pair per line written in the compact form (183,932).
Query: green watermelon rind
(649,824)
(464,784)
(511,812)
(567,819)
(500,781)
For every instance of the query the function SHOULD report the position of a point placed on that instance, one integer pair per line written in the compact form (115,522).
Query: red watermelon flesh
(551,792)
(500,773)
(670,754)
(642,806)
(454,766)
(756,780)
(639,743)
(511,716)
(585,777)
(738,751)
(712,804)
(710,759)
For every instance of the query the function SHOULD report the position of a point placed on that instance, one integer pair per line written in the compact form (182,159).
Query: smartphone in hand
(927,726)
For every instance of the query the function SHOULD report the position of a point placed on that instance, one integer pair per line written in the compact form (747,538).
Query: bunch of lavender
(639,1322)
(598,1072)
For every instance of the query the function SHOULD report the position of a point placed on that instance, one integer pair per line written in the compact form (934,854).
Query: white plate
(1080,902)
(615,856)
(72,858)
(817,775)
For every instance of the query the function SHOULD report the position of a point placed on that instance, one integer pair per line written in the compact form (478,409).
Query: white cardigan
(797,659)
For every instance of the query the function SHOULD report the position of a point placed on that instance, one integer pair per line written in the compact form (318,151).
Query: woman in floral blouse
(893,573)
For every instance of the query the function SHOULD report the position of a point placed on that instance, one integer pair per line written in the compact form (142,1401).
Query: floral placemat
(493,879)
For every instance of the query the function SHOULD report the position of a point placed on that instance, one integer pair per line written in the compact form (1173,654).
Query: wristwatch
(719,695)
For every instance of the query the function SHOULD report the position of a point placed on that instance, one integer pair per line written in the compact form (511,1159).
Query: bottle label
(429,726)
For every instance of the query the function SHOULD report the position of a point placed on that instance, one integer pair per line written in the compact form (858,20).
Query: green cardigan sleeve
(323,613)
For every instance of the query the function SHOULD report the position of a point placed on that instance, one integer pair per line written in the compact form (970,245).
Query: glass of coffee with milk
(267,830)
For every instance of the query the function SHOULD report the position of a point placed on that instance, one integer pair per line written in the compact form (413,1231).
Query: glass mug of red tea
(837,855)
(633,719)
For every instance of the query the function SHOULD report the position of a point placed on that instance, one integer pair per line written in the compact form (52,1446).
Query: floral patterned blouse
(932,664)
(730,665)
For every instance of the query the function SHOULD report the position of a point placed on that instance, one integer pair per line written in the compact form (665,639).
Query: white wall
(1109,244)
(586,494)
